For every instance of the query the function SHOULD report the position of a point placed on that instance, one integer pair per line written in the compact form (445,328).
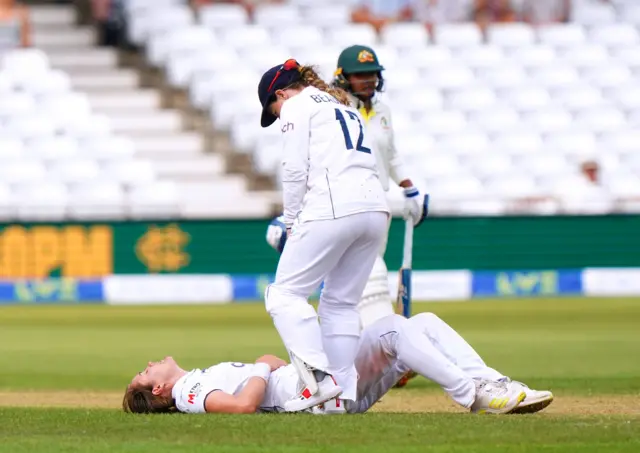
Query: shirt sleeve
(397,170)
(294,120)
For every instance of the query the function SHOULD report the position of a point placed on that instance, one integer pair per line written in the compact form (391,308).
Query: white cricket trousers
(340,252)
(423,343)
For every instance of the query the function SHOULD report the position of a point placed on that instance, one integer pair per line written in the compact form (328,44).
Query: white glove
(416,206)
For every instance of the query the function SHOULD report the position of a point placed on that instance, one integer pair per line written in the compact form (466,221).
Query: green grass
(575,347)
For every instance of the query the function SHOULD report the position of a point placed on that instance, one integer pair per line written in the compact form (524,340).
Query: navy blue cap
(275,79)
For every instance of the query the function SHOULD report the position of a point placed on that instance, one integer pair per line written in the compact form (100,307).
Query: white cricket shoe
(534,401)
(327,389)
(497,397)
(335,406)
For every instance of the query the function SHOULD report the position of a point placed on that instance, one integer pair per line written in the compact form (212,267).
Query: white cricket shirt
(329,170)
(191,390)
(380,131)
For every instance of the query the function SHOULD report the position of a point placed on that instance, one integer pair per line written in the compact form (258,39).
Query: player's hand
(416,205)
(273,361)
(277,234)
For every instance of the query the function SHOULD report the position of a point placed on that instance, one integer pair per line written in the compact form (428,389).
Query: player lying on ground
(387,350)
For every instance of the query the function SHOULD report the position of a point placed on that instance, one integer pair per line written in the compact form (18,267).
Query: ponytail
(309,77)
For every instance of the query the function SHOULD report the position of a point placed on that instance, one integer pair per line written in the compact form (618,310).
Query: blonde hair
(309,77)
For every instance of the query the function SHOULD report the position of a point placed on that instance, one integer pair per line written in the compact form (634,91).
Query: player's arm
(295,163)
(416,205)
(247,401)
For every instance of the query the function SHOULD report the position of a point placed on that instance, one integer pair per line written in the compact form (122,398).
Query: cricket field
(64,370)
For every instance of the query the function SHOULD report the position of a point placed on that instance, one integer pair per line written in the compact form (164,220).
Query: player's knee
(279,299)
(427,319)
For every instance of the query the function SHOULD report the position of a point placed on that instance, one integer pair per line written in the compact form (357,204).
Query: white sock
(453,346)
(417,352)
(340,338)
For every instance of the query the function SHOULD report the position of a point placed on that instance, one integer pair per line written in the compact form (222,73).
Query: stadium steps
(195,121)
(179,144)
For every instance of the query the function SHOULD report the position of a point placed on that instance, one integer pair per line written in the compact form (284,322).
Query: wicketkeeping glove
(416,205)
(277,234)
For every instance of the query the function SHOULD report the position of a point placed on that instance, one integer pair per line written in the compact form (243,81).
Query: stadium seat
(327,16)
(108,148)
(344,36)
(447,122)
(21,63)
(514,185)
(545,164)
(31,127)
(627,96)
(246,37)
(595,13)
(16,105)
(557,76)
(220,16)
(510,35)
(154,200)
(584,57)
(472,99)
(130,172)
(417,100)
(178,42)
(631,14)
(571,142)
(481,57)
(503,77)
(163,20)
(518,142)
(578,97)
(495,119)
(298,37)
(42,201)
(490,164)
(601,120)
(449,77)
(400,77)
(609,76)
(458,35)
(7,84)
(276,15)
(261,58)
(615,35)
(267,158)
(534,56)
(440,164)
(623,142)
(405,35)
(562,35)
(51,83)
(460,140)
(53,148)
(7,204)
(429,57)
(75,171)
(97,200)
(11,148)
(526,99)
(548,120)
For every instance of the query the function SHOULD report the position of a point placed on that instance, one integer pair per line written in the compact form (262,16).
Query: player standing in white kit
(336,216)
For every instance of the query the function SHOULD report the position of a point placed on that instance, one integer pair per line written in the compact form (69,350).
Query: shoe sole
(314,401)
(534,407)
(519,400)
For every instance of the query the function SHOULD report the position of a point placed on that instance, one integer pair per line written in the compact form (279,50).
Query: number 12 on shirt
(345,130)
